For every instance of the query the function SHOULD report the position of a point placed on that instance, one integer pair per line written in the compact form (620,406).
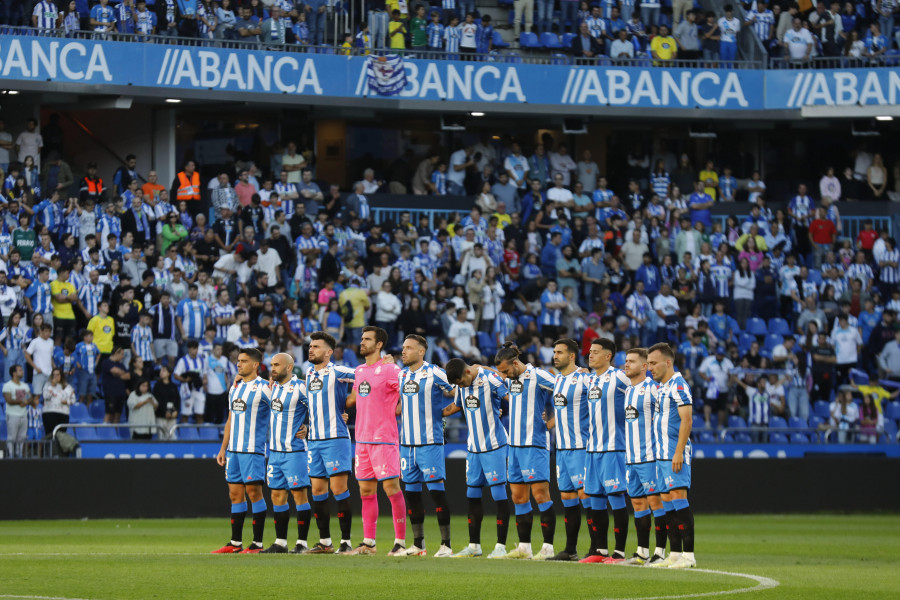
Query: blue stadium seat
(698,423)
(85,434)
(728,438)
(513,57)
(78,413)
(797,423)
(821,410)
(892,410)
(859,377)
(504,2)
(778,438)
(815,421)
(744,341)
(779,326)
(208,433)
(698,404)
(772,340)
(550,40)
(187,434)
(525,320)
(757,327)
(799,438)
(486,344)
(707,437)
(107,433)
(619,359)
(777,422)
(815,276)
(890,429)
(528,39)
(97,410)
(497,41)
(566,40)
(743,438)
(2,430)
(736,421)
(559,59)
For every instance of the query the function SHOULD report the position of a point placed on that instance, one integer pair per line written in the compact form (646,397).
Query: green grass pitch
(816,556)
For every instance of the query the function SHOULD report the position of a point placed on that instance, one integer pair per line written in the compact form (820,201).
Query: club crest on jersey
(594,394)
(411,388)
(605,379)
(238,405)
(316,385)
(365,388)
(277,405)
(472,402)
(516,387)
(560,400)
(377,370)
(631,413)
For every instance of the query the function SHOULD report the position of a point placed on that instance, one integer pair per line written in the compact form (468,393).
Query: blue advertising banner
(161,67)
(833,87)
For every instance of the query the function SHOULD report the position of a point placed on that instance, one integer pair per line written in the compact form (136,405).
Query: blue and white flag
(386,74)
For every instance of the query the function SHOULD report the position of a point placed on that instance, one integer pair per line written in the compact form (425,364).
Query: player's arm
(220,458)
(451,409)
(351,400)
(685,412)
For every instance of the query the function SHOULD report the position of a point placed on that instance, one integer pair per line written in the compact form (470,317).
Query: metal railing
(850,225)
(382,215)
(826,435)
(63,426)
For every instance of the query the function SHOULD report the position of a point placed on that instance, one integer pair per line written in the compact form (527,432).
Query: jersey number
(270,472)
(402,464)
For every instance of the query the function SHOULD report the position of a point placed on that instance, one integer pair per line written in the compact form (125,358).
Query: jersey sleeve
(623,380)
(393,378)
(544,380)
(440,379)
(681,393)
(497,386)
(179,367)
(345,373)
(265,394)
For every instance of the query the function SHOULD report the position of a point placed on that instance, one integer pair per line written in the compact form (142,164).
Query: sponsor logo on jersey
(611,483)
(631,413)
(560,400)
(365,388)
(472,402)
(277,405)
(594,394)
(316,385)
(410,388)
(238,405)
(516,387)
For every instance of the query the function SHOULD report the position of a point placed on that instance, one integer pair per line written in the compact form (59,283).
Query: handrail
(61,426)
(821,439)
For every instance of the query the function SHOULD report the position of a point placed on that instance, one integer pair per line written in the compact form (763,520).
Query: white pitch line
(762,583)
(38,597)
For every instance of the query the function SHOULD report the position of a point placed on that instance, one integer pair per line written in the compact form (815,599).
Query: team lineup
(617,433)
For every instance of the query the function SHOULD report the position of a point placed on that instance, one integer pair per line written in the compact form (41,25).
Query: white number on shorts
(309,457)
(356,461)
(558,472)
(270,472)
(402,464)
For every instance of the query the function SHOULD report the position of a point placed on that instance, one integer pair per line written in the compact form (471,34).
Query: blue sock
(498,492)
(304,506)
(641,513)
(437,486)
(473,492)
(570,502)
(668,506)
(617,502)
(545,505)
(680,503)
(240,507)
(340,497)
(279,507)
(598,502)
(414,487)
(259,506)
(659,512)
(320,497)
(523,509)
(586,502)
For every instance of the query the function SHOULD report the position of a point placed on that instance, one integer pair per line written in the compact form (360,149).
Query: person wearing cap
(715,371)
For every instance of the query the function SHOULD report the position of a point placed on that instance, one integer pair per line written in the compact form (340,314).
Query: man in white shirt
(562,163)
(29,143)
(268,262)
(462,336)
(387,310)
(715,370)
(456,174)
(39,355)
(621,47)
(292,163)
(17,397)
(517,167)
(558,194)
(847,345)
(798,42)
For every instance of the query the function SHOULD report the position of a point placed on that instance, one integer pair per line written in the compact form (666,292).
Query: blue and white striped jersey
(572,416)
(480,403)
(327,391)
(422,400)
(193,315)
(13,338)
(86,356)
(39,294)
(452,36)
(142,340)
(435,36)
(187,364)
(250,404)
(640,402)
(290,410)
(530,396)
(551,316)
(606,404)
(90,294)
(47,14)
(225,311)
(659,183)
(672,394)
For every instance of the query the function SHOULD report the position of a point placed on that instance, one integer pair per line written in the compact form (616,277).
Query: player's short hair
(418,339)
(85,333)
(569,343)
(642,352)
(253,354)
(325,337)
(606,344)
(381,335)
(455,369)
(509,351)
(192,344)
(663,348)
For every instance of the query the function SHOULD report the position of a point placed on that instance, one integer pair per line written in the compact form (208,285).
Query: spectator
(462,337)
(798,42)
(844,416)
(663,47)
(584,45)
(687,36)
(17,397)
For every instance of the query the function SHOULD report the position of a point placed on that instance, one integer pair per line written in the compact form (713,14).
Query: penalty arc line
(762,583)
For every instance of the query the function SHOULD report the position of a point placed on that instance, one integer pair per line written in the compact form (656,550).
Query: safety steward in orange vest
(186,186)
(91,185)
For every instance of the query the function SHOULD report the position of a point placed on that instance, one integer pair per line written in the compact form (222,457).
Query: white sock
(399,541)
(643,552)
(689,555)
(660,552)
(524,547)
(547,546)
(326,541)
(282,543)
(368,541)
(674,556)
(475,546)
(301,543)
(234,543)
(342,541)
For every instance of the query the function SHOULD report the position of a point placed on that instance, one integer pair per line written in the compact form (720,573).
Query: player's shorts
(641,480)
(328,458)
(377,461)
(528,465)
(87,383)
(287,470)
(195,404)
(604,473)
(570,469)
(486,468)
(245,468)
(422,464)
(669,480)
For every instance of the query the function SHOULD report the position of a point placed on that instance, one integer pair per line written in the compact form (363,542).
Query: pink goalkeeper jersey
(377,390)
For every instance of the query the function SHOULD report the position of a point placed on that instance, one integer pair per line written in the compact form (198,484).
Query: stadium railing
(94,426)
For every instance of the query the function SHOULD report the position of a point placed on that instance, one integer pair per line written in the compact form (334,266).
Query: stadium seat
(779,327)
(890,429)
(85,434)
(778,438)
(821,410)
(757,327)
(497,41)
(815,421)
(528,39)
(698,423)
(728,438)
(799,438)
(744,341)
(892,410)
(743,438)
(525,320)
(2,430)
(777,423)
(513,57)
(772,340)
(797,423)
(550,40)
(815,276)
(486,344)
(859,377)
(97,410)
(208,433)
(107,433)
(78,413)
(566,40)
(187,434)
(559,59)
(734,421)
(707,437)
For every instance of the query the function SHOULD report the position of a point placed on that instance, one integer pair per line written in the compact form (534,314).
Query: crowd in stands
(123,287)
(616,29)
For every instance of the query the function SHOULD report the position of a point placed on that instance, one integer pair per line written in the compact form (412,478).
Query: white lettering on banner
(683,89)
(252,74)
(472,84)
(844,88)
(47,60)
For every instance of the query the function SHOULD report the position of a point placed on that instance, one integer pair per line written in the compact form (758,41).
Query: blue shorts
(570,469)
(328,458)
(287,470)
(641,480)
(245,468)
(528,465)
(34,434)
(669,480)
(604,473)
(87,383)
(486,468)
(422,464)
